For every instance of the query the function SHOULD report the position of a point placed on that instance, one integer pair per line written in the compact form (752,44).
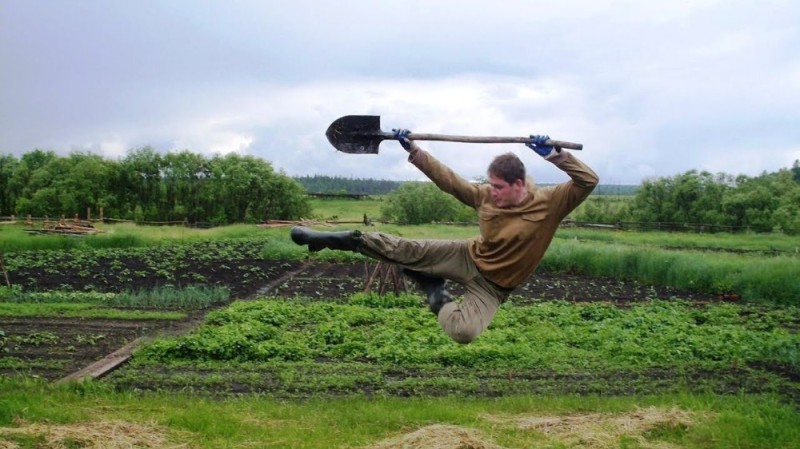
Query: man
(517,222)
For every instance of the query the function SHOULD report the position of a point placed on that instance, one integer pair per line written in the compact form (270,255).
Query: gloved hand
(402,136)
(537,144)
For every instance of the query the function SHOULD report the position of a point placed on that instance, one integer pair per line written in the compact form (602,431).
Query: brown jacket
(512,240)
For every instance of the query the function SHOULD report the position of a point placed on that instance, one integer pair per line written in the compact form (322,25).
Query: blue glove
(402,136)
(537,144)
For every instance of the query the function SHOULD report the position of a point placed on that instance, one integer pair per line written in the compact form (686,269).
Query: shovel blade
(356,134)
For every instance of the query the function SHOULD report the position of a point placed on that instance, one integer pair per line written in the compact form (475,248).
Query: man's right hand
(402,136)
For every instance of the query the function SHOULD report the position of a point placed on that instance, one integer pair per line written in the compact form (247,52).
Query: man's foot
(438,299)
(318,240)
(434,288)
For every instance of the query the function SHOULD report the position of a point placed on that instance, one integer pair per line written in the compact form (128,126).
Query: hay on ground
(439,436)
(602,431)
(90,435)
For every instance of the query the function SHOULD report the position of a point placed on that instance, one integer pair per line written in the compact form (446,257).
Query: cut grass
(35,411)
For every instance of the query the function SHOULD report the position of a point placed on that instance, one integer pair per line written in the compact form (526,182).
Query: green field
(356,370)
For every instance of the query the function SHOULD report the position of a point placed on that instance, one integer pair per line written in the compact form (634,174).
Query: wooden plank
(106,364)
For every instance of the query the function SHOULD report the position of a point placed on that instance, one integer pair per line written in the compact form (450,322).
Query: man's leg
(464,321)
(392,249)
(449,259)
(435,289)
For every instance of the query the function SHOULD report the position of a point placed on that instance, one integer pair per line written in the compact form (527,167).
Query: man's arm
(581,174)
(571,193)
(445,178)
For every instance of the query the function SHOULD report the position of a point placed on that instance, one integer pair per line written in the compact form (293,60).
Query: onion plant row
(769,279)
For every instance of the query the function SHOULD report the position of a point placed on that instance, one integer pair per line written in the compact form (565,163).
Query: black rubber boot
(434,288)
(317,240)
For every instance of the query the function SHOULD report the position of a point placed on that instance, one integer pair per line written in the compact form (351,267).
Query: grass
(337,209)
(740,243)
(185,420)
(755,278)
(13,238)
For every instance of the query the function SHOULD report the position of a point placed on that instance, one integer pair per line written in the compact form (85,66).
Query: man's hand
(537,144)
(402,136)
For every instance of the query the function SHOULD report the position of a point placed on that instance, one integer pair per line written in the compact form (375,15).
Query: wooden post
(89,214)
(371,278)
(101,214)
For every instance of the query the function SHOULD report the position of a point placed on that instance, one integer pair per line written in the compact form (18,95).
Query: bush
(423,202)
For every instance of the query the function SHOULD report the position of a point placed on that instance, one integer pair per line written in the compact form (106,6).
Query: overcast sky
(651,88)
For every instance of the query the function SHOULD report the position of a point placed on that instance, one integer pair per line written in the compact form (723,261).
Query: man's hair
(508,167)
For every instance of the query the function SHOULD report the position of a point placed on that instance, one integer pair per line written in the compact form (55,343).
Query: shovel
(361,134)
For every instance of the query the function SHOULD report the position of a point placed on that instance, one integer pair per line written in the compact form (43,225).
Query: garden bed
(54,348)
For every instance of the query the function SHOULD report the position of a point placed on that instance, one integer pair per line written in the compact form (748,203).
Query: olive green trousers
(462,320)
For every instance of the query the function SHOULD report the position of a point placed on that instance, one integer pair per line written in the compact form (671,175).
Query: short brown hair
(508,167)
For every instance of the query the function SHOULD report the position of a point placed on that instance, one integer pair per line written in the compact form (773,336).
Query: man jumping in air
(517,223)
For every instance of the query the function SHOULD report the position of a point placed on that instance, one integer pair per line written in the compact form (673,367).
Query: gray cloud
(651,88)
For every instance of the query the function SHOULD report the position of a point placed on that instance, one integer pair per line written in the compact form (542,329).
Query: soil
(54,348)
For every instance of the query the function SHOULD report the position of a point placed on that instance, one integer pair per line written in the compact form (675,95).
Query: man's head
(507,180)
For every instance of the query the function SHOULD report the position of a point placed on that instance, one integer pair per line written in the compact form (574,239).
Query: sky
(650,88)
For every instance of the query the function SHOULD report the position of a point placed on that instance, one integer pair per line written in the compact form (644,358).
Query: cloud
(650,88)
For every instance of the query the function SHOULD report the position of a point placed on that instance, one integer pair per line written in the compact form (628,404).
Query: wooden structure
(387,275)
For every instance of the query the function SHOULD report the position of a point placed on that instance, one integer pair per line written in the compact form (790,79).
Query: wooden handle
(487,139)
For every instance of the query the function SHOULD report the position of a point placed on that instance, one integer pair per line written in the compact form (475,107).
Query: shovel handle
(486,139)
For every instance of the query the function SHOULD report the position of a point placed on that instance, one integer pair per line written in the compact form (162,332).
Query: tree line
(766,203)
(337,184)
(149,186)
(369,186)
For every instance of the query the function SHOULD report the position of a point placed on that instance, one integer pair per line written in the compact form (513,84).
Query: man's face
(505,194)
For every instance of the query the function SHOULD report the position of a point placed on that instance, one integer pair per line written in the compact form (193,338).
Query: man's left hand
(538,145)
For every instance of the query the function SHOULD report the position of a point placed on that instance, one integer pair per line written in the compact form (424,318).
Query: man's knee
(464,336)
(455,325)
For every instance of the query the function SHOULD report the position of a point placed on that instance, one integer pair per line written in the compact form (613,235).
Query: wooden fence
(70,224)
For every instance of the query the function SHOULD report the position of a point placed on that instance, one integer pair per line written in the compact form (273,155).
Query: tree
(140,183)
(185,176)
(692,197)
(247,189)
(8,195)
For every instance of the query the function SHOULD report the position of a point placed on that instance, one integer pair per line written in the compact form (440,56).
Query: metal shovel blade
(357,134)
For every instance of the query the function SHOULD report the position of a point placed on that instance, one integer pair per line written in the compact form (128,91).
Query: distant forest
(369,186)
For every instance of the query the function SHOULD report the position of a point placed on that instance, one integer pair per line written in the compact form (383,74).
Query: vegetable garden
(254,314)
